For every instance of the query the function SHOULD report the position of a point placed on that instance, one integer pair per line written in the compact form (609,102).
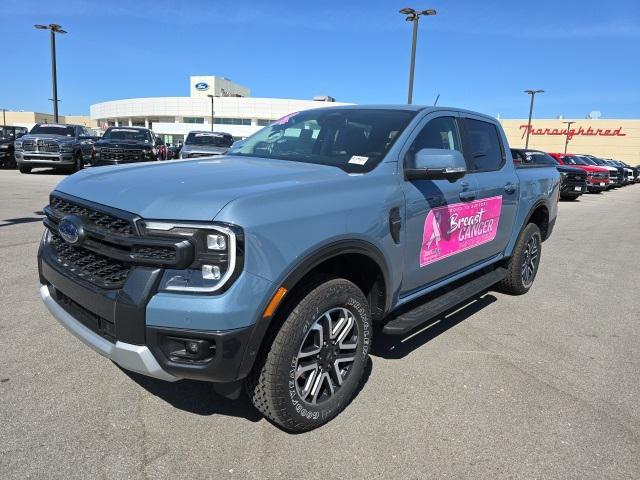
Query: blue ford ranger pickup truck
(272,266)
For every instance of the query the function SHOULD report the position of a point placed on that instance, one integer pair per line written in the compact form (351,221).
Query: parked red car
(597,177)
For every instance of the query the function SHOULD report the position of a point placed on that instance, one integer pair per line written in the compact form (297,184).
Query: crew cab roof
(404,107)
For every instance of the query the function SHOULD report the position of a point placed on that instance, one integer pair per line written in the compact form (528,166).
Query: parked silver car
(205,144)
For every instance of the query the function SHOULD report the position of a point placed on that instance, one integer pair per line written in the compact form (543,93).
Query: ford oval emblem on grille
(70,229)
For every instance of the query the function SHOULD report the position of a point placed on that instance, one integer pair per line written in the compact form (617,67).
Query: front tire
(317,360)
(523,264)
(24,169)
(79,163)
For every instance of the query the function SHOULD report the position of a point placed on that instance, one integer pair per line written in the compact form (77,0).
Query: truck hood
(190,189)
(57,138)
(591,168)
(121,143)
(568,169)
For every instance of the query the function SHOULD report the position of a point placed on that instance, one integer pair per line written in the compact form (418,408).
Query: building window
(193,119)
(263,122)
(231,121)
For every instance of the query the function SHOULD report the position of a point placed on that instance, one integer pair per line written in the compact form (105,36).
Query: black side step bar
(425,312)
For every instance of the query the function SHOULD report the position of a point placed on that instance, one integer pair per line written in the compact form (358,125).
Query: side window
(440,133)
(483,144)
(518,158)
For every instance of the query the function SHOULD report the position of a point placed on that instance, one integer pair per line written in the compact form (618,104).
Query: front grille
(155,253)
(121,154)
(47,146)
(102,221)
(44,146)
(93,267)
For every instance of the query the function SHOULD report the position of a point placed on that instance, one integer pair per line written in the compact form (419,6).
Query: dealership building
(234,110)
(606,138)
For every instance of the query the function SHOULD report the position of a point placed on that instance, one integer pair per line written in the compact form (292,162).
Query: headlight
(66,147)
(217,259)
(17,145)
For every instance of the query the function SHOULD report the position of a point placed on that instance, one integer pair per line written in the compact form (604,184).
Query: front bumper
(137,358)
(98,162)
(43,159)
(121,324)
(597,185)
(572,189)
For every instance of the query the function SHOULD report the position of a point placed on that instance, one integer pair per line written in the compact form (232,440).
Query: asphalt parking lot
(540,386)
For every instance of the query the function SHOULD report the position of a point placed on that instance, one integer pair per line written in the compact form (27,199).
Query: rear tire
(24,169)
(523,264)
(316,362)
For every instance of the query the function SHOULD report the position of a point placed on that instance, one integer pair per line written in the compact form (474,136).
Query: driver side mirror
(437,164)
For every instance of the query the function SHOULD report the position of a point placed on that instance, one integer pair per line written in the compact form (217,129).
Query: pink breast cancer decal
(458,227)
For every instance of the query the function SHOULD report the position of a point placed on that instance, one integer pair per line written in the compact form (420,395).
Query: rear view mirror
(437,164)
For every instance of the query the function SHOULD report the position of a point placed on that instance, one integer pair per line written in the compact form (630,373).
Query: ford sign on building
(203,85)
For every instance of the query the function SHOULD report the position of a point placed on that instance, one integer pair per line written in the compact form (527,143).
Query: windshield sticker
(207,135)
(358,160)
(124,130)
(458,227)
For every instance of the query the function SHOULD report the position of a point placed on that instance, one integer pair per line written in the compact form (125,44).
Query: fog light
(211,272)
(192,347)
(189,350)
(216,242)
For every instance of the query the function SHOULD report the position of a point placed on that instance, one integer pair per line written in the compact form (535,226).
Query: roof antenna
(436,102)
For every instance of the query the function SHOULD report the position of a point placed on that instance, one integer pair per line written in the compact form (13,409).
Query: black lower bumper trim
(223,367)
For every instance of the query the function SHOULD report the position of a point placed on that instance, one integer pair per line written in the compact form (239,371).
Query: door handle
(510,187)
(467,196)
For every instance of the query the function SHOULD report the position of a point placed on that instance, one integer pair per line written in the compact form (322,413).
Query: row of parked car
(72,147)
(580,173)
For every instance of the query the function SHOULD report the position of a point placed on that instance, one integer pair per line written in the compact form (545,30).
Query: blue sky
(476,55)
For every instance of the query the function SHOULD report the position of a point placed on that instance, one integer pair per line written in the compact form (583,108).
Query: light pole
(53,29)
(211,97)
(533,94)
(414,16)
(4,117)
(566,142)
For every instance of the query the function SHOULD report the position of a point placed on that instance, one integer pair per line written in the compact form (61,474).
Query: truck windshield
(6,133)
(127,134)
(573,160)
(212,139)
(588,160)
(66,130)
(353,139)
(539,158)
